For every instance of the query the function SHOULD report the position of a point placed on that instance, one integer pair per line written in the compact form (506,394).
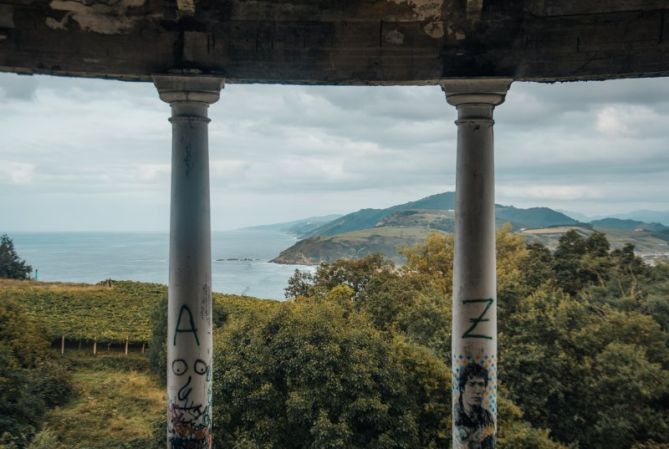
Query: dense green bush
(29,381)
(313,376)
(50,382)
(157,352)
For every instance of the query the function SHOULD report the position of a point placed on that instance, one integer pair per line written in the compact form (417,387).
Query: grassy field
(107,312)
(115,404)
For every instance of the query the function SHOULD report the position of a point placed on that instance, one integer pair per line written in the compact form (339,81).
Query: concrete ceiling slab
(381,42)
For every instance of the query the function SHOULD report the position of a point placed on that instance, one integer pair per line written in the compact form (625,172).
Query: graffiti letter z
(475,321)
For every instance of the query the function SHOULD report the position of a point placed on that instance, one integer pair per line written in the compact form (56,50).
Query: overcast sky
(93,155)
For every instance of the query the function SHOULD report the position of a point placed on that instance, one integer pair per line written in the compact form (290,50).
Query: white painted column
(474,340)
(189,323)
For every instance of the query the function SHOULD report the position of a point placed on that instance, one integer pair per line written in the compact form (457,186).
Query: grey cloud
(548,104)
(381,115)
(292,151)
(18,87)
(409,103)
(576,95)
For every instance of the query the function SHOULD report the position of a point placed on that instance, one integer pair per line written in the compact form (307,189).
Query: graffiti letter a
(480,319)
(191,323)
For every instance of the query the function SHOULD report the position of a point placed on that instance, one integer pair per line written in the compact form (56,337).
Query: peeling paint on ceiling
(394,37)
(474,10)
(429,10)
(186,7)
(424,9)
(434,29)
(100,18)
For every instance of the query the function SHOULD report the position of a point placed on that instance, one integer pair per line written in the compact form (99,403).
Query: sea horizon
(240,258)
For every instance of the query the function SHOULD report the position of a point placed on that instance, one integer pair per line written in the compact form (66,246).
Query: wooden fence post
(62,345)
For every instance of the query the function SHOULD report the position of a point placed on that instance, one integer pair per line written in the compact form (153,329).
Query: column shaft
(474,339)
(189,323)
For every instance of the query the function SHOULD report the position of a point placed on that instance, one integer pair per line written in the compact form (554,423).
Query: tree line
(359,356)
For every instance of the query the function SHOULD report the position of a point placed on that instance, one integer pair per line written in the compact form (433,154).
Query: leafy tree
(656,287)
(29,382)
(358,359)
(597,244)
(515,433)
(299,284)
(593,375)
(312,375)
(538,266)
(596,263)
(629,271)
(11,266)
(431,263)
(158,346)
(576,260)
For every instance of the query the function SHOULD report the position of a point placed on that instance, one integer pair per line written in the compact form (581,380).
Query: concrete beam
(323,42)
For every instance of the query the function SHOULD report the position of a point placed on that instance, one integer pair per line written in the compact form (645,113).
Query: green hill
(369,218)
(366,231)
(387,240)
(536,217)
(617,223)
(647,216)
(387,230)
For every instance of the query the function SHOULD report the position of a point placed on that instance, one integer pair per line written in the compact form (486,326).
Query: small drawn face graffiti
(473,391)
(200,367)
(179,367)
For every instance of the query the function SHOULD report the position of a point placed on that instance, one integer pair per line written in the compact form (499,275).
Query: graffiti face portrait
(474,424)
(473,391)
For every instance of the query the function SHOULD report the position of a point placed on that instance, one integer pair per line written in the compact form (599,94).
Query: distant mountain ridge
(299,228)
(646,216)
(368,218)
(618,223)
(534,217)
(366,231)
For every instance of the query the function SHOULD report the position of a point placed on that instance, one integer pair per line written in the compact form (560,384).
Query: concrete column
(474,340)
(189,323)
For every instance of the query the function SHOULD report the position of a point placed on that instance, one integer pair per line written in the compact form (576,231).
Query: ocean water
(240,262)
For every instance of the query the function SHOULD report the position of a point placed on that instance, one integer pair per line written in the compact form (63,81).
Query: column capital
(476,91)
(188,88)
